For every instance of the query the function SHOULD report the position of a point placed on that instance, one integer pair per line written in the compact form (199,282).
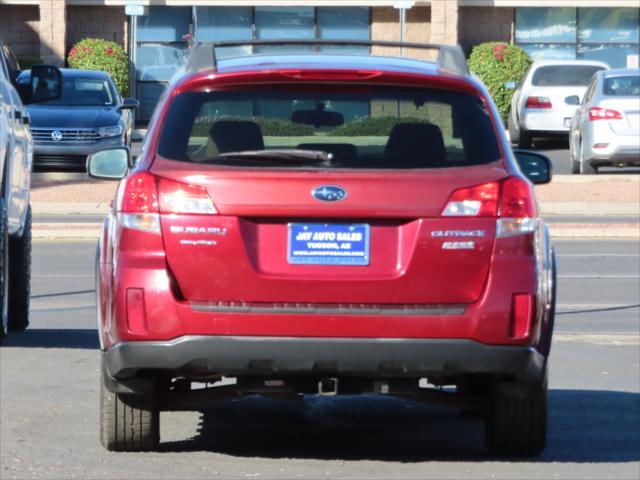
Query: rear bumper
(371,357)
(549,122)
(621,156)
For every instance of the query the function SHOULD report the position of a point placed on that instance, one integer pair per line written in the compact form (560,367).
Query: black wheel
(20,275)
(4,270)
(575,167)
(128,423)
(575,163)
(524,139)
(516,420)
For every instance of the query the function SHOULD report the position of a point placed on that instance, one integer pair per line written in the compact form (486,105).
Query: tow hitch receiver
(328,386)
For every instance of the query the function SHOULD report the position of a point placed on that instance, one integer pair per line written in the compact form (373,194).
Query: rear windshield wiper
(279,155)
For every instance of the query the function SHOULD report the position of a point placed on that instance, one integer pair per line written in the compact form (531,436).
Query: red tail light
(517,199)
(477,201)
(597,113)
(137,203)
(518,212)
(522,311)
(538,102)
(514,197)
(176,197)
(138,193)
(142,197)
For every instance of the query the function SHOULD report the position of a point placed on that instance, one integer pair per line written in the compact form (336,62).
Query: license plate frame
(328,244)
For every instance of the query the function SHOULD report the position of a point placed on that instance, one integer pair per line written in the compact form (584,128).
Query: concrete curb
(70,208)
(68,234)
(601,177)
(595,233)
(589,209)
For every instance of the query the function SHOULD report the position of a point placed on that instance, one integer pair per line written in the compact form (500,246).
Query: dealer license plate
(328,244)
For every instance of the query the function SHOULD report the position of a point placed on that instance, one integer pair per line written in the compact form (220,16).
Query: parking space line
(599,277)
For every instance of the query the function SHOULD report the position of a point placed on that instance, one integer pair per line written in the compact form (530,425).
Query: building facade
(46,30)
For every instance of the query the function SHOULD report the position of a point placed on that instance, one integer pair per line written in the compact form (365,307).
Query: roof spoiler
(450,57)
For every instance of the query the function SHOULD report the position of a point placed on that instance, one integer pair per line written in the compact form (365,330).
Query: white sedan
(547,97)
(605,129)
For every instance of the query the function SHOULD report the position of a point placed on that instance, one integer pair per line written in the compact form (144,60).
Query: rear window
(564,75)
(360,127)
(623,86)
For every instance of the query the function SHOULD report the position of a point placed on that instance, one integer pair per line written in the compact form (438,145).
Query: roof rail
(450,57)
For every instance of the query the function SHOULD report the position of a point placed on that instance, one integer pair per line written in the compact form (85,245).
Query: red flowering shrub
(102,55)
(497,63)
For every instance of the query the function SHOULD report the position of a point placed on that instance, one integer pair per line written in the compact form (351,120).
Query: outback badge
(329,193)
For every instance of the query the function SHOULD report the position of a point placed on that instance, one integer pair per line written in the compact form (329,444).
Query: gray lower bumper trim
(337,310)
(380,357)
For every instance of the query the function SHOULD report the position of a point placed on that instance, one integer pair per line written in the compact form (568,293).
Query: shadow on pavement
(53,338)
(584,426)
(550,144)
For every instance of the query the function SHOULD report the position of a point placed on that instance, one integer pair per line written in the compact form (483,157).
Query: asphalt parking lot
(49,389)
(49,397)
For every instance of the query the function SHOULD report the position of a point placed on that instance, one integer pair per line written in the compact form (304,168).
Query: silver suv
(16,156)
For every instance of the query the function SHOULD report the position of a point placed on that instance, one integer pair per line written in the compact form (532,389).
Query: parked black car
(90,115)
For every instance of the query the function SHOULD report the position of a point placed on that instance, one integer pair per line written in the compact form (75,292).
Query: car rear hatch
(555,104)
(387,240)
(623,115)
(365,226)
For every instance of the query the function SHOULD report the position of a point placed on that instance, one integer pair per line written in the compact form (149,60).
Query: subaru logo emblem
(56,135)
(329,193)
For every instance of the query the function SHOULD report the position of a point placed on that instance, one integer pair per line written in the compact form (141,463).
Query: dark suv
(327,224)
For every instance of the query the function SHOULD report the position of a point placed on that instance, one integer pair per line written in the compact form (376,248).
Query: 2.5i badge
(458,245)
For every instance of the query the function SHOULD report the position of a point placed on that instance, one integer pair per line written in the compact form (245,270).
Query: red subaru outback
(322,223)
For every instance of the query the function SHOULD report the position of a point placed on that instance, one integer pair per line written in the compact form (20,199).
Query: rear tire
(585,168)
(516,420)
(575,163)
(128,423)
(20,275)
(4,270)
(524,139)
(575,167)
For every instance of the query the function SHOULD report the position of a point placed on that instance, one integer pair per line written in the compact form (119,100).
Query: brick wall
(385,25)
(53,25)
(485,24)
(107,22)
(444,22)
(19,28)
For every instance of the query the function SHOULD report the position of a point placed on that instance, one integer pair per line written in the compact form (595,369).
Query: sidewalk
(567,195)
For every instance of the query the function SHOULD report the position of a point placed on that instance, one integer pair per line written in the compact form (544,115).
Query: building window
(162,36)
(606,34)
(282,23)
(545,25)
(161,46)
(344,23)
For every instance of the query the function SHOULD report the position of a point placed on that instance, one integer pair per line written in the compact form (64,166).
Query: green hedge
(497,63)
(371,126)
(102,55)
(269,126)
(27,62)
